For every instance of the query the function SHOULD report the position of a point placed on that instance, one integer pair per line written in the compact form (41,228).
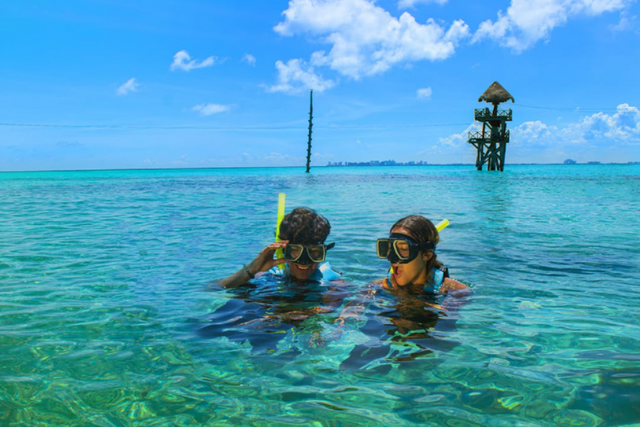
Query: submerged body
(267,307)
(271,295)
(400,326)
(418,287)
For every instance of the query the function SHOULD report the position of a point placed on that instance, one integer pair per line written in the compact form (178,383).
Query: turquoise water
(104,300)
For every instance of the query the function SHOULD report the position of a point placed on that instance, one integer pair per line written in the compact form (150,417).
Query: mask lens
(316,253)
(293,252)
(402,249)
(383,247)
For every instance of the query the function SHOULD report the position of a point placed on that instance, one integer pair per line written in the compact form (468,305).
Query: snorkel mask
(306,254)
(401,249)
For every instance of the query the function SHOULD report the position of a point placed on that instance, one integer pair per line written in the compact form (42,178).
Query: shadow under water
(389,330)
(402,329)
(263,312)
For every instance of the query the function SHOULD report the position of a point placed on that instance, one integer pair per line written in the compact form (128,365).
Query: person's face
(303,259)
(414,272)
(301,272)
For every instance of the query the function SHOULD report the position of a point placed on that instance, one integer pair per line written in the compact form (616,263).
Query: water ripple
(103,289)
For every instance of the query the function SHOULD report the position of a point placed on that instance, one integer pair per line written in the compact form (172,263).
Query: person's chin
(398,275)
(302,272)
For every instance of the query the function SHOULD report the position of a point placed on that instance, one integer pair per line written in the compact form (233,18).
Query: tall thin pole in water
(310,126)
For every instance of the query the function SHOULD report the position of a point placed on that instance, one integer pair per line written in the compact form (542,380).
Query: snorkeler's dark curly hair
(423,231)
(304,226)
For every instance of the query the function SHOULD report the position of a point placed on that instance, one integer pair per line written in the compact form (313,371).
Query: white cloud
(183,160)
(450,149)
(596,129)
(182,61)
(599,129)
(365,39)
(600,136)
(533,132)
(623,126)
(425,93)
(406,4)
(127,87)
(282,159)
(529,21)
(627,22)
(271,159)
(210,109)
(361,145)
(249,59)
(296,76)
(458,139)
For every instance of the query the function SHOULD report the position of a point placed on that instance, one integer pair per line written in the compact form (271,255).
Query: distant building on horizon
(379,163)
(570,162)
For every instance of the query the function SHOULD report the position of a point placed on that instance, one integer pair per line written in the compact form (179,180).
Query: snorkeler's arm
(334,298)
(454,287)
(354,308)
(351,311)
(263,262)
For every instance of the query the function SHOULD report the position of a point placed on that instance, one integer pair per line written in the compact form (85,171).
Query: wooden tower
(491,142)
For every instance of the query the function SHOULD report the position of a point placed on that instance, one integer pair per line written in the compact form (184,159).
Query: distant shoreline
(472,164)
(313,167)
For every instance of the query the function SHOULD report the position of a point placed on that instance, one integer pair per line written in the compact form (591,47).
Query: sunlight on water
(106,318)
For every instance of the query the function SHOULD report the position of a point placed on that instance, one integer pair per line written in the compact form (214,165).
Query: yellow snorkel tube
(281,199)
(440,226)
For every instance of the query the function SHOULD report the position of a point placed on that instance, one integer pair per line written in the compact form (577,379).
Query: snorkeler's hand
(264,261)
(344,316)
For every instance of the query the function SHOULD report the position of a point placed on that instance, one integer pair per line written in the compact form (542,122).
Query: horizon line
(302,167)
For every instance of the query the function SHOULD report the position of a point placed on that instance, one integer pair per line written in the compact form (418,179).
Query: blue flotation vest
(435,285)
(323,273)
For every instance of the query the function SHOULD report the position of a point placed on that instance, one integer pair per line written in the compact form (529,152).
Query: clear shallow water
(103,299)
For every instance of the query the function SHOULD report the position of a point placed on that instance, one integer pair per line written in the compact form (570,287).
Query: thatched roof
(496,94)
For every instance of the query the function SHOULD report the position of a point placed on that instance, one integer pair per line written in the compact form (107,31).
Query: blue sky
(98,84)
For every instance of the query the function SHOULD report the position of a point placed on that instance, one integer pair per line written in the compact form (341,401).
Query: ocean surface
(110,314)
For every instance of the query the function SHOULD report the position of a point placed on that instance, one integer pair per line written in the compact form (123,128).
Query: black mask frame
(388,248)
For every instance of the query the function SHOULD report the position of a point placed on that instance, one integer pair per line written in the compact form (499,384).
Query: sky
(97,84)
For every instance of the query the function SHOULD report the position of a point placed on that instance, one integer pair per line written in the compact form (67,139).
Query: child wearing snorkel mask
(303,232)
(411,250)
(415,270)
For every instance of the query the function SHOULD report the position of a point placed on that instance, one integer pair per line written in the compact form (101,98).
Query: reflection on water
(400,328)
(105,318)
(393,329)
(263,312)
